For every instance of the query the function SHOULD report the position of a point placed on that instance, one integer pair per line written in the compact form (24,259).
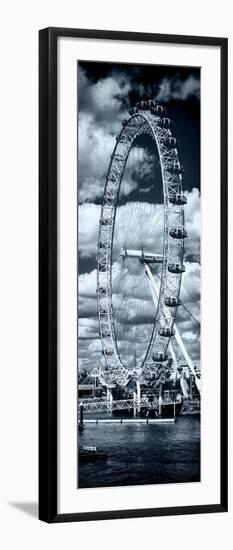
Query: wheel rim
(144,121)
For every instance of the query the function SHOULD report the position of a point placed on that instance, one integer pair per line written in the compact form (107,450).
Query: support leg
(160,399)
(134,403)
(138,396)
(109,399)
(154,291)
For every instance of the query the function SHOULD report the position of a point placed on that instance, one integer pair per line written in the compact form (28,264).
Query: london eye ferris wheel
(140,252)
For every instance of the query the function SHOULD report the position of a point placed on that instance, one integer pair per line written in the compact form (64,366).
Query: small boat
(90,453)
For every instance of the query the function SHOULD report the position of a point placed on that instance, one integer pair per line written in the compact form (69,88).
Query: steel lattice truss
(146,118)
(90,405)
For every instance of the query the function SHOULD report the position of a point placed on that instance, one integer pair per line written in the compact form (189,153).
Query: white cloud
(95,346)
(87,307)
(193,223)
(87,294)
(175,88)
(190,288)
(88,218)
(105,98)
(189,324)
(102,106)
(95,148)
(189,335)
(146,189)
(88,328)
(87,284)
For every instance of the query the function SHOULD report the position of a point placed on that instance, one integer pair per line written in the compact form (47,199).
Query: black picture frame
(48,274)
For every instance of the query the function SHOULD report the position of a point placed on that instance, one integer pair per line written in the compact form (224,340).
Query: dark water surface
(142,453)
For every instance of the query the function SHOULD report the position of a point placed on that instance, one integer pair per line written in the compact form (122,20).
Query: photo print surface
(139,269)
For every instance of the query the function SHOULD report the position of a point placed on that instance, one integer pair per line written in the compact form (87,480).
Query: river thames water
(142,453)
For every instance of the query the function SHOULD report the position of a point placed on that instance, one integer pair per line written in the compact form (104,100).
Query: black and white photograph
(114,275)
(139,274)
(133,377)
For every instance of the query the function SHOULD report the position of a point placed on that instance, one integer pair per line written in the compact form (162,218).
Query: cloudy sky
(105,93)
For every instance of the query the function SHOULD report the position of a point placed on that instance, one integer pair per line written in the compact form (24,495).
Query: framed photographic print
(133,275)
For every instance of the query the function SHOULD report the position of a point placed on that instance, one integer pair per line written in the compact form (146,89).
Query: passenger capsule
(102,290)
(105,221)
(151,103)
(178,199)
(124,122)
(110,199)
(107,352)
(118,158)
(169,141)
(166,332)
(143,104)
(158,110)
(106,334)
(176,268)
(108,194)
(159,357)
(166,123)
(171,301)
(103,244)
(178,233)
(103,267)
(113,181)
(175,168)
